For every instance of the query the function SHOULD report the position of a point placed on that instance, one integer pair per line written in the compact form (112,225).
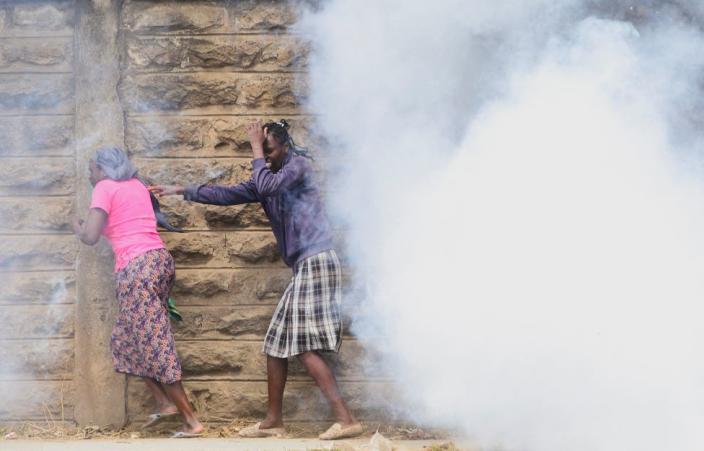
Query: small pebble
(11,436)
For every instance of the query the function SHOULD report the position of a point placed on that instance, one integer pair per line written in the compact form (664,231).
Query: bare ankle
(268,423)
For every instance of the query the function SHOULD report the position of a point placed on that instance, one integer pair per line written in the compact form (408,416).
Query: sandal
(336,431)
(183,434)
(255,432)
(156,418)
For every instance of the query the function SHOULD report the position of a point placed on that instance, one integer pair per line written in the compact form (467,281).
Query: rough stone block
(188,171)
(247,248)
(43,17)
(263,16)
(195,287)
(237,216)
(219,323)
(251,53)
(191,215)
(40,93)
(223,136)
(26,176)
(196,249)
(36,55)
(36,359)
(38,252)
(302,400)
(38,135)
(40,288)
(36,214)
(221,16)
(234,217)
(173,16)
(213,93)
(37,321)
(222,359)
(37,400)
(222,323)
(243,360)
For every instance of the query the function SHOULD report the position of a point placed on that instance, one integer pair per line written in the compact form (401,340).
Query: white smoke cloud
(520,186)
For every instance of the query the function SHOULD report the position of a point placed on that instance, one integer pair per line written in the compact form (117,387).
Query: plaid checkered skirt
(307,317)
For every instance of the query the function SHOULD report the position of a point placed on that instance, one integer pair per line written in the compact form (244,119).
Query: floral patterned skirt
(142,343)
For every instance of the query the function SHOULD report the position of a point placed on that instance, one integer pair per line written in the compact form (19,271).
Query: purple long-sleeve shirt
(290,199)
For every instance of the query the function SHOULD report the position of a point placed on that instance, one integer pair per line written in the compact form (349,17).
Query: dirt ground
(207,444)
(378,437)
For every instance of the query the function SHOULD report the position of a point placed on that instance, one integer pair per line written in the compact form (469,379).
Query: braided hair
(279,130)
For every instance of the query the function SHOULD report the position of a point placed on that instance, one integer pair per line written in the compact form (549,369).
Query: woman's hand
(77,225)
(88,231)
(166,190)
(256,138)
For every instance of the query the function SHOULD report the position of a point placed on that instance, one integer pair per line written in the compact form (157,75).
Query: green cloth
(173,311)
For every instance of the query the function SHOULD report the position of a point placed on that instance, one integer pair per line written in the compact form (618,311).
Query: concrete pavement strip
(201,444)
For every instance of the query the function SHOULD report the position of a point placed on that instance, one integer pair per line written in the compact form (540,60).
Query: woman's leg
(321,373)
(163,403)
(176,393)
(276,374)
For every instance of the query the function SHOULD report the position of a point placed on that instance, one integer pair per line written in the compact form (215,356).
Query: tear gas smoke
(520,182)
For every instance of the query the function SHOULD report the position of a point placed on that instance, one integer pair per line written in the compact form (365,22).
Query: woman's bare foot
(270,423)
(194,427)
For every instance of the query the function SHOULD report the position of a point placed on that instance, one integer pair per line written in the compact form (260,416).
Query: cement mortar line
(156,114)
(57,36)
(31,304)
(62,271)
(20,115)
(131,34)
(291,379)
(40,269)
(35,234)
(25,196)
(27,157)
(35,72)
(137,157)
(210,268)
(243,230)
(212,71)
(30,157)
(36,37)
(35,380)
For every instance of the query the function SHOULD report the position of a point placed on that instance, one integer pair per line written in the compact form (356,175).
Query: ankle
(166,407)
(271,422)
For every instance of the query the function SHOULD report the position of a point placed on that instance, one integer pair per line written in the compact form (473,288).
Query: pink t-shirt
(131,224)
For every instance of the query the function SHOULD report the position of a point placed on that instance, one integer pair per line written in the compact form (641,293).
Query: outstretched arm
(242,193)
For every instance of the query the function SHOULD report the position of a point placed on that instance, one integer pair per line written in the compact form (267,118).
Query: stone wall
(37,197)
(175,83)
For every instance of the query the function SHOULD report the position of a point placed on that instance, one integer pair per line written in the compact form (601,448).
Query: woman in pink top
(142,343)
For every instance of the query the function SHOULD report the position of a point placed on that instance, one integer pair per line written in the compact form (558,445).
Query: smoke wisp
(521,187)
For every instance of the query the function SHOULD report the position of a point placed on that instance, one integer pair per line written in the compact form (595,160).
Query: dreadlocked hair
(279,130)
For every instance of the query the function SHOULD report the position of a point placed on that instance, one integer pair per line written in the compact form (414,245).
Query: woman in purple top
(307,318)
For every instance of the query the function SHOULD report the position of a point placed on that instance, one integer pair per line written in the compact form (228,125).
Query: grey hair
(115,163)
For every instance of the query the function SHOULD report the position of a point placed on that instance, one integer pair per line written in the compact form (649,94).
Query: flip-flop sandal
(156,418)
(254,432)
(182,434)
(336,432)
